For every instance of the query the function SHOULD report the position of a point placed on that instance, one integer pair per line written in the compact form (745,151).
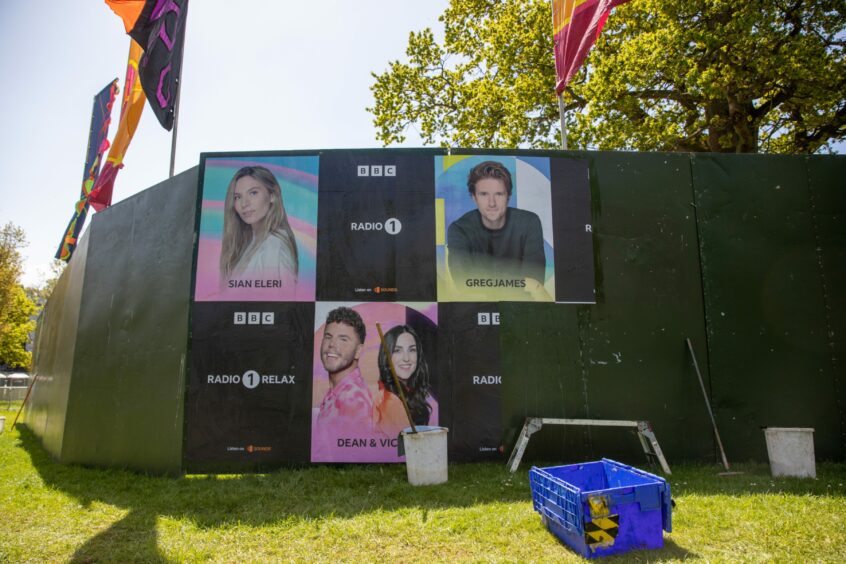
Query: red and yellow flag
(576,26)
(130,114)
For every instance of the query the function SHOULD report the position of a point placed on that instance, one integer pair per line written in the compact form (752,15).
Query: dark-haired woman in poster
(412,371)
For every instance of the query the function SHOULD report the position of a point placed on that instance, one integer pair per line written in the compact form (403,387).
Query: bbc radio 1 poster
(357,413)
(469,337)
(258,229)
(249,386)
(376,227)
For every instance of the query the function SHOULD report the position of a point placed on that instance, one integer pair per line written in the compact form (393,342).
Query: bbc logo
(254,318)
(377,170)
(489,318)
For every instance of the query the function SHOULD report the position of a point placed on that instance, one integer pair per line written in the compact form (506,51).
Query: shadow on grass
(671,552)
(291,495)
(312,494)
(137,530)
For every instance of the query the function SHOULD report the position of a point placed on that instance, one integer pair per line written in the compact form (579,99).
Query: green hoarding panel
(828,206)
(55,343)
(743,254)
(625,357)
(126,404)
(770,361)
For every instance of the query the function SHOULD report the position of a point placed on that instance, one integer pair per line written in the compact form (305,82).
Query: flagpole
(175,126)
(561,112)
(178,98)
(559,96)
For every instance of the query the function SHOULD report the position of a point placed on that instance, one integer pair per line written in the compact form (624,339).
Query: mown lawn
(50,512)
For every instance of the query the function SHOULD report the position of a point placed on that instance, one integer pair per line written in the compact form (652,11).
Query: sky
(257,75)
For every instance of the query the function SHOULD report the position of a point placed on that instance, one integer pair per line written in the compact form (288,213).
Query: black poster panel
(376,227)
(574,276)
(469,335)
(249,389)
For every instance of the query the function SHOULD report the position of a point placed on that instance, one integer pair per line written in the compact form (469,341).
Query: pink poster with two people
(357,414)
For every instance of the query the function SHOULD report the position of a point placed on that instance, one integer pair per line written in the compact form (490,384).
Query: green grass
(51,512)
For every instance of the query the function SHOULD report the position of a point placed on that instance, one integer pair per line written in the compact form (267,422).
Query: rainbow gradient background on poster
(531,191)
(298,178)
(423,317)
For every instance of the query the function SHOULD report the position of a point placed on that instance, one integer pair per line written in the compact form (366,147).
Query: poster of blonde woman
(258,229)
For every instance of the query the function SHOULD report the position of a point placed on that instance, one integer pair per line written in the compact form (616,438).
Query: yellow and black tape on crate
(602,531)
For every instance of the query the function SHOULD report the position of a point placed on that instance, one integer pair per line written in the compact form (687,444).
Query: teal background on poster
(298,180)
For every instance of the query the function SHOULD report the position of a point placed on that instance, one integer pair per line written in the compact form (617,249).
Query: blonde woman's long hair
(237,235)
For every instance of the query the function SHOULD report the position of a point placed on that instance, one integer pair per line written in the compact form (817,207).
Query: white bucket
(2,423)
(426,455)
(791,451)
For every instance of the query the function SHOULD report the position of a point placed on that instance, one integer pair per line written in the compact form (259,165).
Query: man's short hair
(489,169)
(349,317)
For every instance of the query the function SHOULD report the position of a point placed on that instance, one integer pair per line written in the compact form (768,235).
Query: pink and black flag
(159,28)
(576,27)
(98,142)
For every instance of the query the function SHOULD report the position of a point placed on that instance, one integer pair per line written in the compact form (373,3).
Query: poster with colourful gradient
(356,411)
(258,229)
(494,242)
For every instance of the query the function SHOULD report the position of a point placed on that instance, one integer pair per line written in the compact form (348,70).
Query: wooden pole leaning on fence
(23,403)
(708,405)
(389,357)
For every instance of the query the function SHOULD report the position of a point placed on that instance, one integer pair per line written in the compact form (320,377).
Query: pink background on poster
(387,315)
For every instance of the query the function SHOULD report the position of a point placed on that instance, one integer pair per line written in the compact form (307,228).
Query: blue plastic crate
(602,508)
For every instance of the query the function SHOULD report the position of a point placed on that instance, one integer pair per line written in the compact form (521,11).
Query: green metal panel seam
(707,359)
(188,365)
(818,250)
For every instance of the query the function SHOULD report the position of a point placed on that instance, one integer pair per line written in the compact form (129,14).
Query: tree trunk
(731,128)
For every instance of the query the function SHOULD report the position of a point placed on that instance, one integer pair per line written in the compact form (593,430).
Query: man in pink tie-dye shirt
(346,411)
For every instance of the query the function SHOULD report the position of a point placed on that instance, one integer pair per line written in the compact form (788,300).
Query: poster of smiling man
(494,235)
(258,228)
(357,413)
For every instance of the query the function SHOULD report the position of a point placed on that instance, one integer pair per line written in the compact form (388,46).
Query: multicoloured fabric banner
(159,27)
(576,27)
(97,144)
(130,114)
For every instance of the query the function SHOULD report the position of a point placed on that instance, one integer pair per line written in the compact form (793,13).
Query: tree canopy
(673,75)
(12,240)
(16,323)
(16,309)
